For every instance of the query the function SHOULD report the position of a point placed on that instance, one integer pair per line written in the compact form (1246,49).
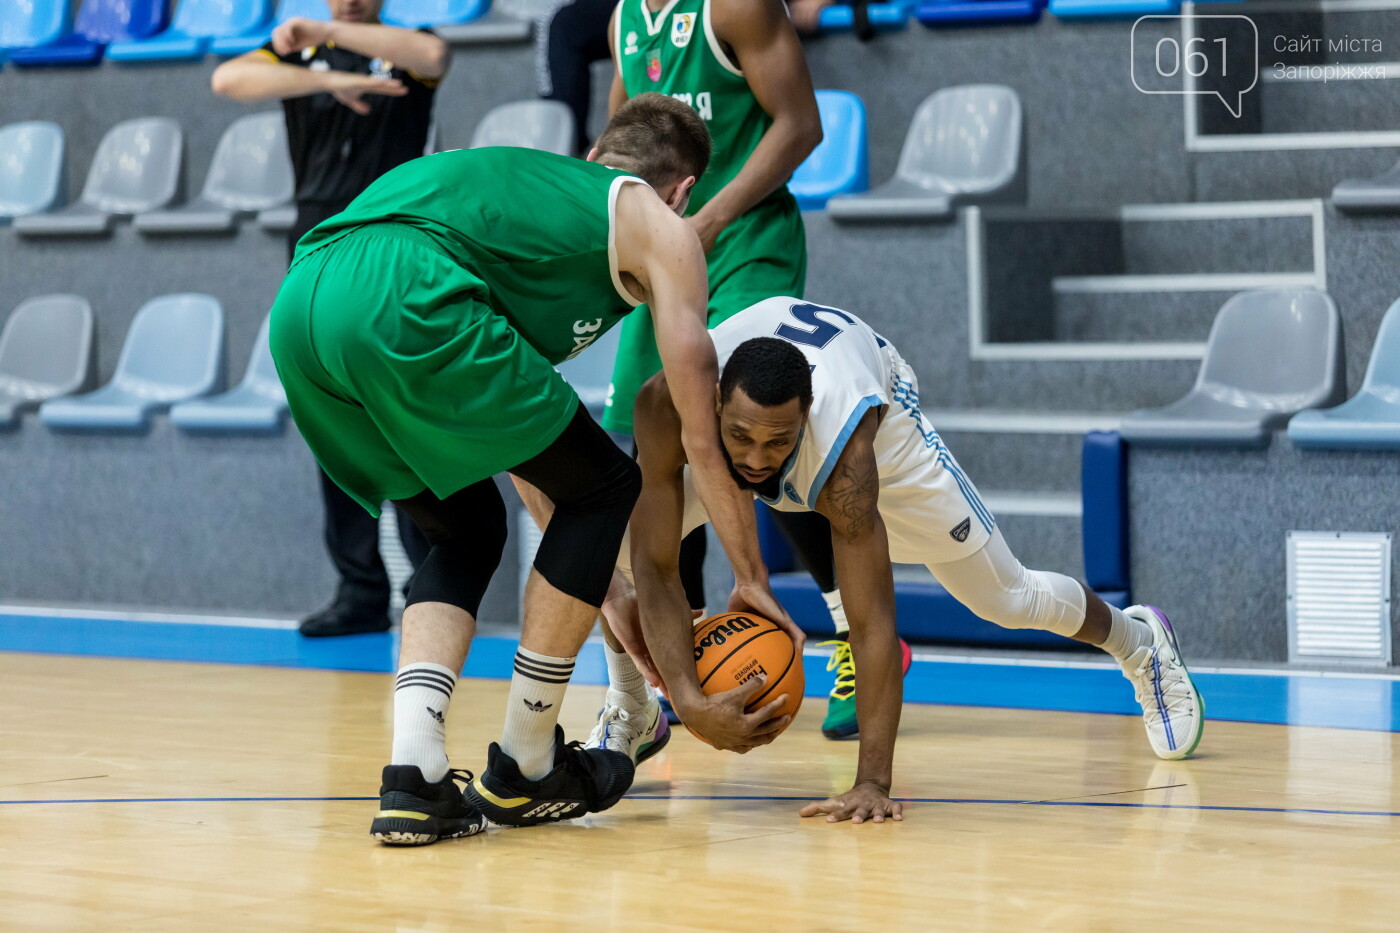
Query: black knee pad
(467,534)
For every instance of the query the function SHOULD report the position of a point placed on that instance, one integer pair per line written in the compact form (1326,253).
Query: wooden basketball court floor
(186,795)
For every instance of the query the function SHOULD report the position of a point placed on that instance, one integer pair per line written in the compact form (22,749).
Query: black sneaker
(584,780)
(413,812)
(341,618)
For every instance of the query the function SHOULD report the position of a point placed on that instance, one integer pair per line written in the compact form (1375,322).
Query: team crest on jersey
(381,68)
(682,26)
(654,68)
(631,47)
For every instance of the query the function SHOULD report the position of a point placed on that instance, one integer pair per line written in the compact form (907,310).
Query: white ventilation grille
(1339,596)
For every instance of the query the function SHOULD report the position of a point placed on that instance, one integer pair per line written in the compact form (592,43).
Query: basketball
(733,647)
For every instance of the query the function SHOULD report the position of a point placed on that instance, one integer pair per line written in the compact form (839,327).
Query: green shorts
(399,374)
(760,255)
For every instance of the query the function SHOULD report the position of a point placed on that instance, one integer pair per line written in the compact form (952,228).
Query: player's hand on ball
(299,33)
(758,599)
(866,802)
(721,719)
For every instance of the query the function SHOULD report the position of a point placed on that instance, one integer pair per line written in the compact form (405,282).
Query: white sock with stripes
(422,694)
(536,691)
(838,613)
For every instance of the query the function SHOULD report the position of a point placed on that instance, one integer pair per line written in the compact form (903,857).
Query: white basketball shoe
(1172,709)
(638,733)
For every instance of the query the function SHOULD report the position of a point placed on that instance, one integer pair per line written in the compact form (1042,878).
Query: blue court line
(1362,703)
(718,797)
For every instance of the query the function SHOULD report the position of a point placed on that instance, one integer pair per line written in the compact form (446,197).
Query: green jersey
(676,52)
(533,227)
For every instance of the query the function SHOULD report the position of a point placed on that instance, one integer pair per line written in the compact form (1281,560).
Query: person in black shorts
(358,98)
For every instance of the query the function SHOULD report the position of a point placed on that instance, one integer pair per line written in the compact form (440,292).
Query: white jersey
(932,512)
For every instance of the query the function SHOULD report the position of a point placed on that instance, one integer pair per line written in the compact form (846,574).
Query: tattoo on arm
(851,496)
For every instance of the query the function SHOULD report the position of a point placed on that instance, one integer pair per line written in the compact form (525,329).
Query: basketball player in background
(740,65)
(818,412)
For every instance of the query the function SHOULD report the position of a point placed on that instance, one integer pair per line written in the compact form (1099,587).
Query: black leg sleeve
(809,534)
(466,534)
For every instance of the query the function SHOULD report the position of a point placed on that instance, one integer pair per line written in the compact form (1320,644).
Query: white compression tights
(994,585)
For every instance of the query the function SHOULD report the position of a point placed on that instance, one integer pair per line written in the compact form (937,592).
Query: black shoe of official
(584,780)
(413,812)
(343,618)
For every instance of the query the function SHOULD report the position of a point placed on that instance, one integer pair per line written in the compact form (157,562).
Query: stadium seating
(98,23)
(840,165)
(1113,9)
(884,17)
(278,219)
(937,13)
(286,9)
(1370,195)
(258,403)
(46,351)
(1272,353)
(1369,420)
(136,169)
(529,124)
(251,171)
(415,14)
(196,23)
(925,611)
(31,168)
(963,147)
(31,24)
(173,351)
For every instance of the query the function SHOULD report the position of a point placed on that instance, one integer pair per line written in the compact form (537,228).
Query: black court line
(947,800)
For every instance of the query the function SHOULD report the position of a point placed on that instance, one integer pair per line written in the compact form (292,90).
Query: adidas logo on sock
(436,715)
(537,706)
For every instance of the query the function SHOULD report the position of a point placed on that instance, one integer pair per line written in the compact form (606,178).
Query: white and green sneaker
(1172,709)
(638,733)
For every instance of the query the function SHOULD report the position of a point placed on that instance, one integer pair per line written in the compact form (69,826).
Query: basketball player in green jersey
(416,334)
(740,65)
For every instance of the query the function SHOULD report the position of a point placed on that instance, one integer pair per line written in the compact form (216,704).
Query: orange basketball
(733,647)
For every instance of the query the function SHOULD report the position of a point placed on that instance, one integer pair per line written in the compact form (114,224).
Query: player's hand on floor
(865,802)
(758,599)
(721,719)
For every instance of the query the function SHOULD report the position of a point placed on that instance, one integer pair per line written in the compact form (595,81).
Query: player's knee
(1011,607)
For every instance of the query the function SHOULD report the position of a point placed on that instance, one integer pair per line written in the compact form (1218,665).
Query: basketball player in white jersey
(819,412)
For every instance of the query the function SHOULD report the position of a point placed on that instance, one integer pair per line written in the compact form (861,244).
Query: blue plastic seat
(196,23)
(258,403)
(1271,354)
(46,351)
(925,611)
(1113,9)
(173,351)
(31,168)
(415,14)
(136,169)
(1369,420)
(255,38)
(32,23)
(935,13)
(98,23)
(840,164)
(884,17)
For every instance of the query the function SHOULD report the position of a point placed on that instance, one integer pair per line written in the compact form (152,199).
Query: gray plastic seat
(136,169)
(495,28)
(1370,419)
(258,403)
(46,351)
(964,147)
(251,172)
(528,124)
(278,219)
(173,351)
(1379,195)
(31,168)
(1272,353)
